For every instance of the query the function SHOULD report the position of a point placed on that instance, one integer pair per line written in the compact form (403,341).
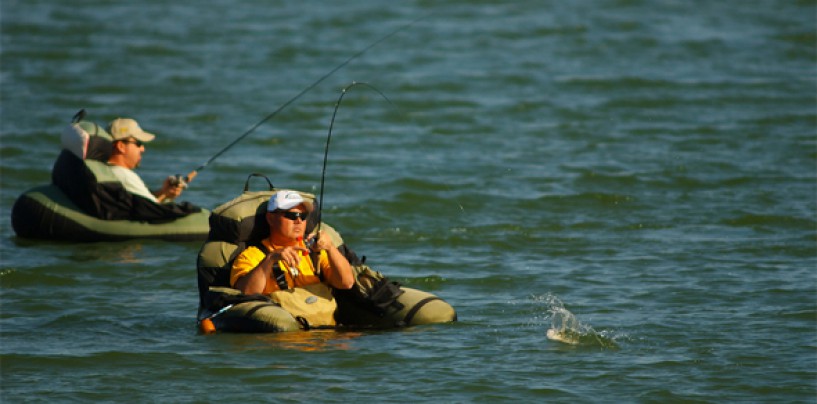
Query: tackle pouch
(373,291)
(312,305)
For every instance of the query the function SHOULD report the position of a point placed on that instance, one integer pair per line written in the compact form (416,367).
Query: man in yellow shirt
(285,263)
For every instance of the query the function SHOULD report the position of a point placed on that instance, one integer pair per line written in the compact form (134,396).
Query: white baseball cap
(285,200)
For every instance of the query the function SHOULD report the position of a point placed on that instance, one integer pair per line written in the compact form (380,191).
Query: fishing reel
(178,180)
(311,242)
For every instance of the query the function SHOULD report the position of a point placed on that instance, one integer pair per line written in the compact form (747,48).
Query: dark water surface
(642,174)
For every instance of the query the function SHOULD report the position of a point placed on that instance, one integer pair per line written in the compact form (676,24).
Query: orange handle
(207,326)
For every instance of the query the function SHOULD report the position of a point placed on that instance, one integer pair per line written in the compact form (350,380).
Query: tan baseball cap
(123,128)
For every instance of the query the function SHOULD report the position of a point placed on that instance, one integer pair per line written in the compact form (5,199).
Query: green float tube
(240,222)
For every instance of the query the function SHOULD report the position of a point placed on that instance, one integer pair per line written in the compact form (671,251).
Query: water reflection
(310,341)
(123,253)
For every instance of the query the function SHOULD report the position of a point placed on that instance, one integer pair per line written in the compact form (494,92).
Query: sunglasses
(138,143)
(294,215)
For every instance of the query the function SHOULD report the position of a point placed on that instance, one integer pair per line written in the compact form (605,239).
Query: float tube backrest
(82,173)
(87,141)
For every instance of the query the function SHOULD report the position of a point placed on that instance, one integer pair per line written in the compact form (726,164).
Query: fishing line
(329,138)
(195,172)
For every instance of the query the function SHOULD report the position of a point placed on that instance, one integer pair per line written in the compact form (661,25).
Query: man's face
(286,224)
(132,150)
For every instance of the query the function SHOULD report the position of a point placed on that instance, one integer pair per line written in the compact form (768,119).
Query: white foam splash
(567,329)
(564,326)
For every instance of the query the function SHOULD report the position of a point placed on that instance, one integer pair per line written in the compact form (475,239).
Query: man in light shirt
(128,145)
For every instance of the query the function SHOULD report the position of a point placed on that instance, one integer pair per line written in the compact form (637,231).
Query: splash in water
(566,328)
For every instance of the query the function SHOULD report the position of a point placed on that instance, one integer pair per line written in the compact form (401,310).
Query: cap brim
(144,136)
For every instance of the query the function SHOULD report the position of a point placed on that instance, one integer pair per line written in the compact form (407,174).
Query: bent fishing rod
(179,179)
(326,150)
(344,91)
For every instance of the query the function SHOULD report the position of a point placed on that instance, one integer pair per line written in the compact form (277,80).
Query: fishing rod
(179,179)
(326,150)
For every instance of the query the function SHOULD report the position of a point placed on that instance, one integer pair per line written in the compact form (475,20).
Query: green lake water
(641,175)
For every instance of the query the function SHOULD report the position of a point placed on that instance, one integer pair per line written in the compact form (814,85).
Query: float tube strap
(410,315)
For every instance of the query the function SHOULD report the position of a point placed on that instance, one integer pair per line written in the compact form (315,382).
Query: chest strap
(278,273)
(279,276)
